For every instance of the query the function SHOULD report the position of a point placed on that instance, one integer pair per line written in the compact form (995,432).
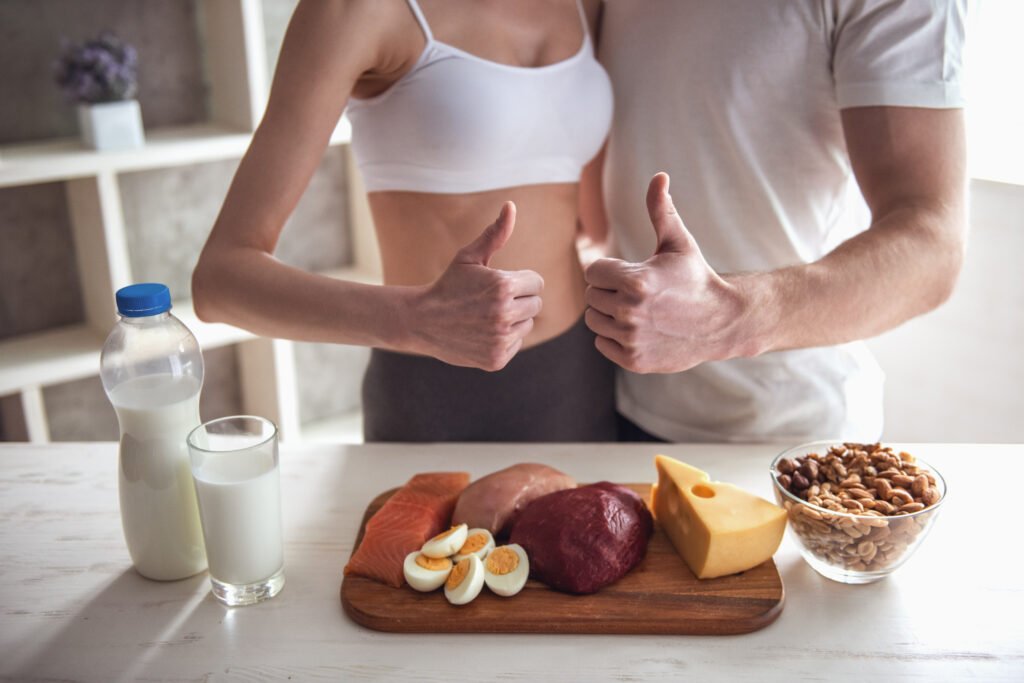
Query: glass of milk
(237,476)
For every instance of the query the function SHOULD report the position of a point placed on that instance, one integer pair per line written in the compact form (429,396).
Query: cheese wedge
(717,528)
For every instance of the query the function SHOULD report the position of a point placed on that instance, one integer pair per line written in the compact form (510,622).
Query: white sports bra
(458,123)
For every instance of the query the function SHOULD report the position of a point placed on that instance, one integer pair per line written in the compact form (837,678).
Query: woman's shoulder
(378,32)
(342,14)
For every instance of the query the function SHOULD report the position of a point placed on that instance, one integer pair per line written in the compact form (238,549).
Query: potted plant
(100,75)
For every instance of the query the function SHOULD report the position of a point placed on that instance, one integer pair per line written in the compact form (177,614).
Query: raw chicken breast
(492,502)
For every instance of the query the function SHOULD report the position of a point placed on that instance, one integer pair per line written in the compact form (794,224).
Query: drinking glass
(237,478)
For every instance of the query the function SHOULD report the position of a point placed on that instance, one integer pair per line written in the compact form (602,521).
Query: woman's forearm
(472,315)
(251,289)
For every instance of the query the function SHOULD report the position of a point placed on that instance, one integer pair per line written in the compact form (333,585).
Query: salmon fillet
(415,513)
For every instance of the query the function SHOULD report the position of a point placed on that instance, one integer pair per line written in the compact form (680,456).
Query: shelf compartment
(52,160)
(59,355)
(40,279)
(73,352)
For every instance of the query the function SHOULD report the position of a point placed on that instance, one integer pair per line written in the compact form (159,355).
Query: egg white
(507,585)
(471,584)
(444,545)
(482,552)
(420,578)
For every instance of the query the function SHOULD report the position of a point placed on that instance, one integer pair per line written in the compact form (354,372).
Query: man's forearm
(673,311)
(905,265)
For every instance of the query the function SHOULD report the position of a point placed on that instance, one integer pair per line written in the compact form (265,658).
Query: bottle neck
(145,320)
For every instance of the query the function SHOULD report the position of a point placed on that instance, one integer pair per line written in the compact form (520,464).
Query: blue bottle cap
(147,298)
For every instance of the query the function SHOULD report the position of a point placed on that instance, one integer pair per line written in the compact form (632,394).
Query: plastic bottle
(152,371)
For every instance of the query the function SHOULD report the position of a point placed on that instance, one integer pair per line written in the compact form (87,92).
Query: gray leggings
(561,390)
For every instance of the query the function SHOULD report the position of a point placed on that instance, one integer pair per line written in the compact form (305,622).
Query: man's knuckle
(639,287)
(627,317)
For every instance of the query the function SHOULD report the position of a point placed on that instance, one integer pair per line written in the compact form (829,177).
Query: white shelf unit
(234,48)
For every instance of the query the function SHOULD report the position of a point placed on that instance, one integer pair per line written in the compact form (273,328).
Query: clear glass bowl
(848,547)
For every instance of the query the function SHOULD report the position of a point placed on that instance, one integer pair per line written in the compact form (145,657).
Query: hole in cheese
(703,491)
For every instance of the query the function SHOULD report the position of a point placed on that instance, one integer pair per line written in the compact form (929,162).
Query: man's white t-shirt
(739,101)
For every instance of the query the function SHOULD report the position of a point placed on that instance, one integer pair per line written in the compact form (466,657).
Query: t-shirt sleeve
(904,53)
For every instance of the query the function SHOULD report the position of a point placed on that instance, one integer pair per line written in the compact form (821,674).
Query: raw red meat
(581,540)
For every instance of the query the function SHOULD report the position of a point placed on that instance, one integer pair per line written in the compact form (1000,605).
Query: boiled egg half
(479,542)
(465,582)
(446,543)
(425,573)
(506,569)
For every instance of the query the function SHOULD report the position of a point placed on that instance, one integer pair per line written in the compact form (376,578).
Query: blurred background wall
(167,212)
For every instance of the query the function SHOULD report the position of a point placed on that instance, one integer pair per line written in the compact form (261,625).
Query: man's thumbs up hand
(668,313)
(668,226)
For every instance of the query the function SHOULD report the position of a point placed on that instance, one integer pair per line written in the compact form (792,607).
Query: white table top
(73,609)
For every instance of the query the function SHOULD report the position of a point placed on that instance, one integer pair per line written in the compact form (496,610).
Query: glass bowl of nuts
(858,511)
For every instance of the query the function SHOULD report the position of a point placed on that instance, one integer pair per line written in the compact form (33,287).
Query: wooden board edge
(667,627)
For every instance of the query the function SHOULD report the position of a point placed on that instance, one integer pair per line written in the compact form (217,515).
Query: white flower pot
(111,125)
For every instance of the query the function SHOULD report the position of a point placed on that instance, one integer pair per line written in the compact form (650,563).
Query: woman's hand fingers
(493,238)
(477,316)
(525,308)
(524,282)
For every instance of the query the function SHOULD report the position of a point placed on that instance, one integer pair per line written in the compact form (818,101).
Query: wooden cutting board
(660,596)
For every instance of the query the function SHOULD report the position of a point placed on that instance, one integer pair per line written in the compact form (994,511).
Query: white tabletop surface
(73,609)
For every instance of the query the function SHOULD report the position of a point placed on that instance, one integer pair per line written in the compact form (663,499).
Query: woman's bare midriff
(419,234)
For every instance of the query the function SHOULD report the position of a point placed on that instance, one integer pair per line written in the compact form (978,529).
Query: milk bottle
(152,371)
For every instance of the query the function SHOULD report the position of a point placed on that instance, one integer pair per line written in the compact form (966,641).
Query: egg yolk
(458,575)
(502,561)
(444,534)
(439,564)
(472,544)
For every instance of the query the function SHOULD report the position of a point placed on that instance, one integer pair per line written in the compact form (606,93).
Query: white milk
(240,503)
(158,500)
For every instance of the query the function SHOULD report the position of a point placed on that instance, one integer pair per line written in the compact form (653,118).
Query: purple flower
(103,69)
